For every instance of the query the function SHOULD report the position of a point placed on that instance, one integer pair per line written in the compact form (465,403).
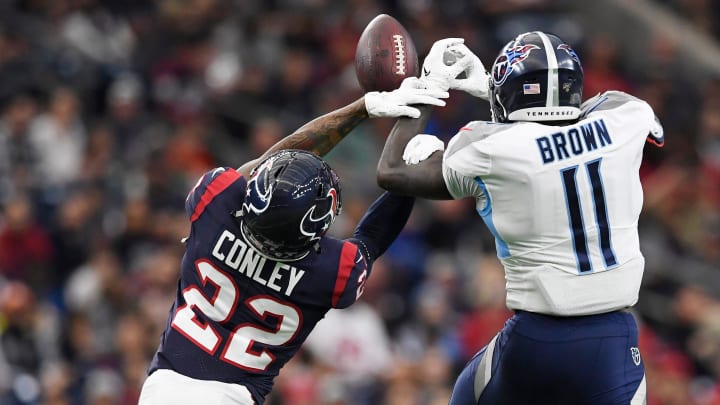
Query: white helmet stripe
(553,87)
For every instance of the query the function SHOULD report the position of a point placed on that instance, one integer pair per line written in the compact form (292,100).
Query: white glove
(420,147)
(476,82)
(396,103)
(435,70)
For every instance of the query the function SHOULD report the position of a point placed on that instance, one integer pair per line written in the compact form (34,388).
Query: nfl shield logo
(635,352)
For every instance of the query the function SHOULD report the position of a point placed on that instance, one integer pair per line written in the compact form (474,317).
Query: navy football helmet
(536,77)
(292,198)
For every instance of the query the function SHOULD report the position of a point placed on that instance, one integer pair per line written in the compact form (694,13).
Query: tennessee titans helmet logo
(309,224)
(510,57)
(259,192)
(569,50)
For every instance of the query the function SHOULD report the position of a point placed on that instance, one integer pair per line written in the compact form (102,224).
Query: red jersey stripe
(216,186)
(347,263)
(655,142)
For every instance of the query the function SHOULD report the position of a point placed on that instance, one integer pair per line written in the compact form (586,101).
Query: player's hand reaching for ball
(445,62)
(435,71)
(476,81)
(397,103)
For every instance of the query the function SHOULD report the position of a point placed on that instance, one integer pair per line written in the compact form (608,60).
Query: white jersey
(562,202)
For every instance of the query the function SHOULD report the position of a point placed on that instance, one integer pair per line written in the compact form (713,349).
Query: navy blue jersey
(238,316)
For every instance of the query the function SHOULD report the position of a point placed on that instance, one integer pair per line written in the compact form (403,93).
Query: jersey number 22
(239,348)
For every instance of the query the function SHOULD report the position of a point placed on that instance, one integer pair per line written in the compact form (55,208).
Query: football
(385,55)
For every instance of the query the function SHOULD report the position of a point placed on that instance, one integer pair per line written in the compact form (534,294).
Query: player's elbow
(387,178)
(383,179)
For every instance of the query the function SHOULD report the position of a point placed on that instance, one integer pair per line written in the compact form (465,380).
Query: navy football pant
(540,359)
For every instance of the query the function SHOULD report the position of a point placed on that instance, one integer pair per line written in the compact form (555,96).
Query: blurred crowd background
(111,110)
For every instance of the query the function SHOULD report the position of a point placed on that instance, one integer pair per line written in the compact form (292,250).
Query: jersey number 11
(575,215)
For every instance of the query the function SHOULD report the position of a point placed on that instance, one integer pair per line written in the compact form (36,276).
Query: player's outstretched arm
(320,135)
(424,179)
(381,224)
(375,232)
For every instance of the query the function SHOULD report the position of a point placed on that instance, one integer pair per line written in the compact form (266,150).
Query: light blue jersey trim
(486,214)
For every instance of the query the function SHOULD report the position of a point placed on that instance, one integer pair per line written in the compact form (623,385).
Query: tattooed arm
(323,133)
(318,136)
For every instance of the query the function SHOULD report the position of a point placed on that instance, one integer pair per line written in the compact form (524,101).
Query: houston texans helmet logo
(259,192)
(569,50)
(315,226)
(510,57)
